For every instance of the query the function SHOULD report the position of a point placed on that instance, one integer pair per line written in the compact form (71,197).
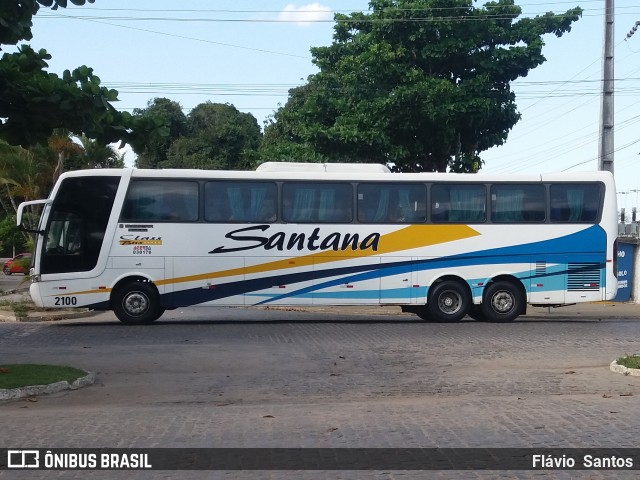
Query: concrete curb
(614,367)
(48,316)
(14,393)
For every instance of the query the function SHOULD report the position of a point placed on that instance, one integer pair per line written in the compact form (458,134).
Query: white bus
(139,242)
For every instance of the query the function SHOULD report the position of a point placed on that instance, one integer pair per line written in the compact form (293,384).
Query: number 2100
(64,301)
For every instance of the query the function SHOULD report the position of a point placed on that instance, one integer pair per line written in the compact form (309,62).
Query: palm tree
(60,142)
(24,175)
(95,155)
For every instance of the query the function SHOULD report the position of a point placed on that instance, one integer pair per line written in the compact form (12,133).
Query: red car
(18,264)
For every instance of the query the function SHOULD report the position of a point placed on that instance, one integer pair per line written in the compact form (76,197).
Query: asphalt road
(13,281)
(216,377)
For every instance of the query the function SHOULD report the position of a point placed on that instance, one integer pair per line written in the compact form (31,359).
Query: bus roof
(347,175)
(323,167)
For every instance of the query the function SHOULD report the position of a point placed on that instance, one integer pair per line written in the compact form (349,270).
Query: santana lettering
(335,241)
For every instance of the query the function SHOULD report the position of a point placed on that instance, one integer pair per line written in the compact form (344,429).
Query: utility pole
(605,154)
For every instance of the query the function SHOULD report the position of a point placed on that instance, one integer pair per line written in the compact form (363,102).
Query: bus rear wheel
(502,302)
(137,303)
(448,301)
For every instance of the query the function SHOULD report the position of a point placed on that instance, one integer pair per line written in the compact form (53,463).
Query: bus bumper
(34,291)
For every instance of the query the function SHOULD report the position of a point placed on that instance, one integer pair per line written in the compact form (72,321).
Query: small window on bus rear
(458,203)
(317,202)
(232,201)
(161,201)
(575,202)
(392,203)
(518,203)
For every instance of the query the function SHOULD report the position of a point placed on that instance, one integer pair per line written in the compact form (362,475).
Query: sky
(249,53)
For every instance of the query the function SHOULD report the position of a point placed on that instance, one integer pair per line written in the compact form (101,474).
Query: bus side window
(458,203)
(174,209)
(231,201)
(575,202)
(216,205)
(391,203)
(309,203)
(439,204)
(518,203)
(161,200)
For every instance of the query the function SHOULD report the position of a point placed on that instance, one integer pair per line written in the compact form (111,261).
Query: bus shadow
(381,320)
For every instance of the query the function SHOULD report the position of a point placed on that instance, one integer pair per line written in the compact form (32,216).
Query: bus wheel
(423,314)
(137,303)
(448,301)
(502,302)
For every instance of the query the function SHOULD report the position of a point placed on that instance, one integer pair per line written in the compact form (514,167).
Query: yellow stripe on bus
(413,236)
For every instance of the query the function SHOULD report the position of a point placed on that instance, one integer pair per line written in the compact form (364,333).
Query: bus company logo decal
(139,240)
(335,241)
(337,244)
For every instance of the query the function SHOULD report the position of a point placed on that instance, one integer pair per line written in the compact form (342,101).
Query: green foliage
(25,174)
(10,236)
(629,361)
(423,84)
(154,152)
(94,155)
(34,102)
(212,136)
(15,17)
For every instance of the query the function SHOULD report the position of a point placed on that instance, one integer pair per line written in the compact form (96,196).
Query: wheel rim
(135,304)
(449,302)
(502,302)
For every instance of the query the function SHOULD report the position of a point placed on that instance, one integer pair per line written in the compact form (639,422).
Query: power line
(184,37)
(458,18)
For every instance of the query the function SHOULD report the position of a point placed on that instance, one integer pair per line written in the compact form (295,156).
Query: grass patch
(629,361)
(23,375)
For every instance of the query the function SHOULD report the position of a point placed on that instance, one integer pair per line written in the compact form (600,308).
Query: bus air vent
(583,277)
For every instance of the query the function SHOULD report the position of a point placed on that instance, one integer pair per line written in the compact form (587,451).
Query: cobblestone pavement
(249,378)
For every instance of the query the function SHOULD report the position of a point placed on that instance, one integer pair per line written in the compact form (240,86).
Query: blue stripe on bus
(547,250)
(553,280)
(486,257)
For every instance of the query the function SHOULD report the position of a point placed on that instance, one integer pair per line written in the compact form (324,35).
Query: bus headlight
(32,275)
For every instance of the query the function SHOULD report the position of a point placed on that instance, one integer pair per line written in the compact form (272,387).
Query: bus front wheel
(137,303)
(448,301)
(502,302)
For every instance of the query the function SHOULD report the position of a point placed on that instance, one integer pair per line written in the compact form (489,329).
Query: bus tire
(137,303)
(448,301)
(423,314)
(502,302)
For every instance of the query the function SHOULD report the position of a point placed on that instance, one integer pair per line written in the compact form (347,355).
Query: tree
(214,136)
(11,238)
(94,155)
(34,102)
(64,147)
(16,17)
(424,84)
(281,141)
(154,152)
(25,175)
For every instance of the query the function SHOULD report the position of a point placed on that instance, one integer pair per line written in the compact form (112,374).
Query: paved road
(279,378)
(11,282)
